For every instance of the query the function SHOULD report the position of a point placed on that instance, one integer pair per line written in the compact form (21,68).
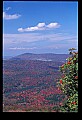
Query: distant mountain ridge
(41,57)
(6,57)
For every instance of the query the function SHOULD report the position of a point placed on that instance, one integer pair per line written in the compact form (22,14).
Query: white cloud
(40,26)
(9,17)
(20,30)
(32,37)
(53,25)
(19,38)
(8,8)
(31,41)
(22,48)
(31,28)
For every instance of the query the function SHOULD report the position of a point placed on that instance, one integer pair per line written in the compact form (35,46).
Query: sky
(39,27)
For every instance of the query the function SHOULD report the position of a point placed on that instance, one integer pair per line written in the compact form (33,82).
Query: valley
(31,85)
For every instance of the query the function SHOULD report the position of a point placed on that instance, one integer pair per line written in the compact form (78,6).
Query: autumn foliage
(69,83)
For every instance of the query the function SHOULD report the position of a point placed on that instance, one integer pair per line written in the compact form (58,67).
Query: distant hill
(6,57)
(41,57)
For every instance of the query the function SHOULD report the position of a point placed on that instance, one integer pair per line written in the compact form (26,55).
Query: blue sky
(39,27)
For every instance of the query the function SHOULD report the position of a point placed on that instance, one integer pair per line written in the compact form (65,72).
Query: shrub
(69,82)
